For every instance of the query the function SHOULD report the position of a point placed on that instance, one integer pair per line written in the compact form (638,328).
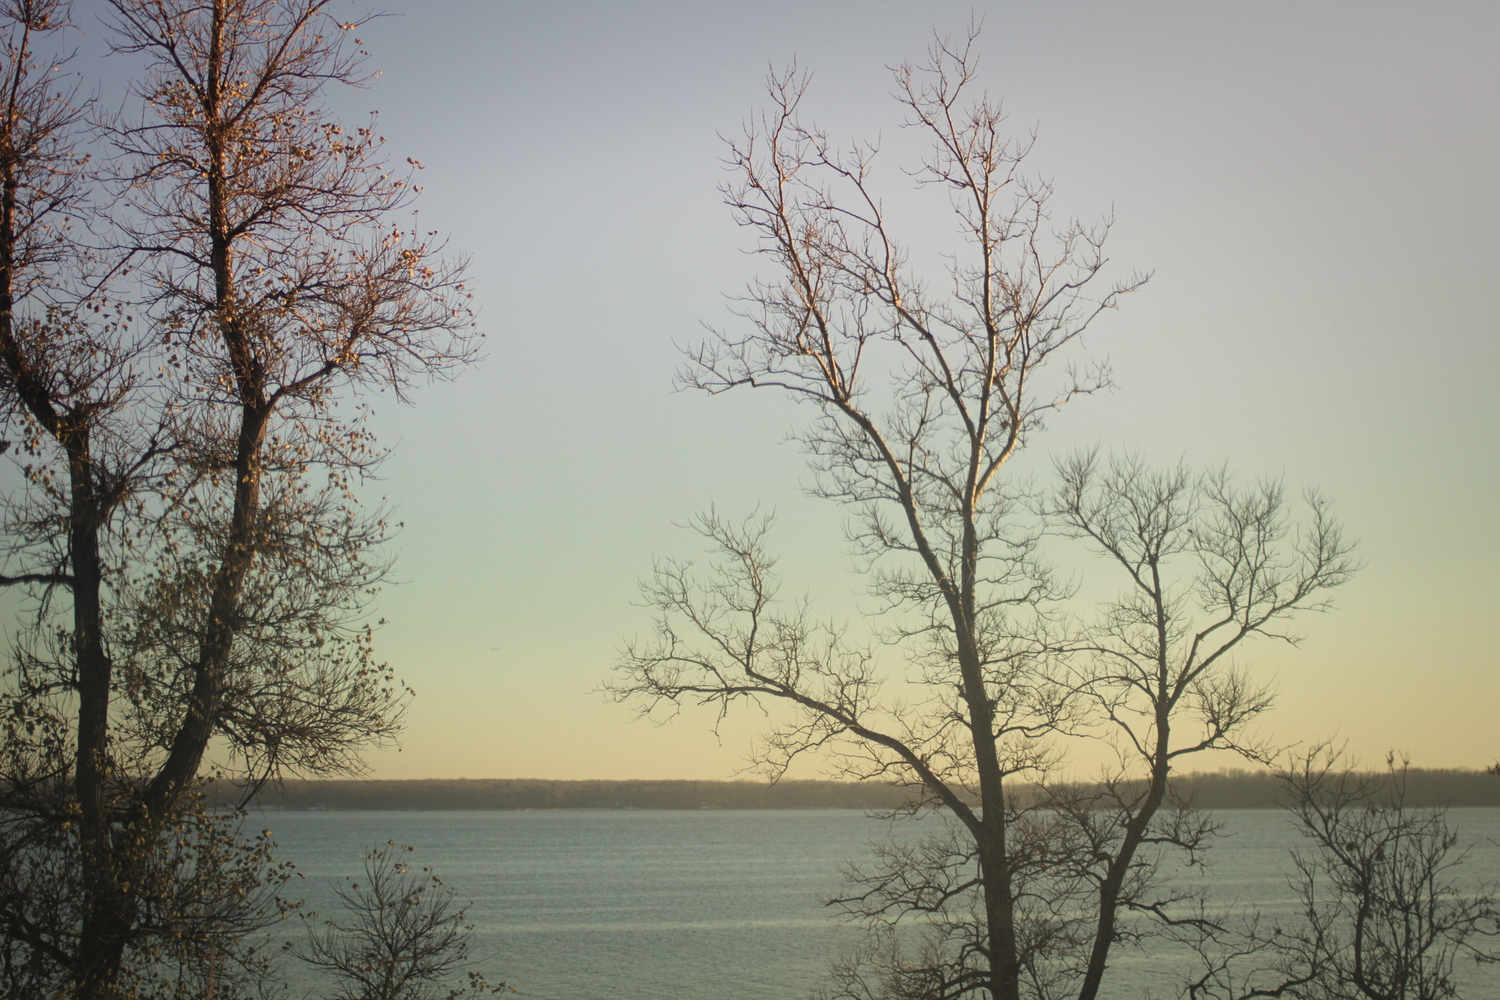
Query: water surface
(634,905)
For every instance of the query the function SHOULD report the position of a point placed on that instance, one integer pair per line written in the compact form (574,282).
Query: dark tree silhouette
(924,393)
(190,464)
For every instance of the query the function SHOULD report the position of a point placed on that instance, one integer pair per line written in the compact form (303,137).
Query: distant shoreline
(1221,790)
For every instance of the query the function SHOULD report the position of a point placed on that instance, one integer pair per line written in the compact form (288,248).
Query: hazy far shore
(1221,790)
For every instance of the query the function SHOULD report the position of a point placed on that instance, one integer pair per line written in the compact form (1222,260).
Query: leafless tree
(923,399)
(186,432)
(403,938)
(1207,566)
(1383,915)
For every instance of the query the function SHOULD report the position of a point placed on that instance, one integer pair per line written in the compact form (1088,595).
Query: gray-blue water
(636,905)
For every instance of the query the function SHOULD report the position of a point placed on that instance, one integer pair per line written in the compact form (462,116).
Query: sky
(1312,186)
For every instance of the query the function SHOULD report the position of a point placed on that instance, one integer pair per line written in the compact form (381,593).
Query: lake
(634,905)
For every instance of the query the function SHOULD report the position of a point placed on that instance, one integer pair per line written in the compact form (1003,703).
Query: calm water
(634,905)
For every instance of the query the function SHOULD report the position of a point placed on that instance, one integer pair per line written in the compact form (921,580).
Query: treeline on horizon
(1234,789)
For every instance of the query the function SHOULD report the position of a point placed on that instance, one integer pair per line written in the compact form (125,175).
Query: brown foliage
(190,527)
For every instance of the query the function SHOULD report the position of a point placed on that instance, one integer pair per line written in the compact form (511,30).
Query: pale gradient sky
(1314,186)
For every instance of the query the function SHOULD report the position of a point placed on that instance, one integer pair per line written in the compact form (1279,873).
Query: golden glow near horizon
(1312,186)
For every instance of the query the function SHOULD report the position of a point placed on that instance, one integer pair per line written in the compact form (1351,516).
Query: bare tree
(1157,664)
(403,938)
(1383,915)
(193,448)
(923,400)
